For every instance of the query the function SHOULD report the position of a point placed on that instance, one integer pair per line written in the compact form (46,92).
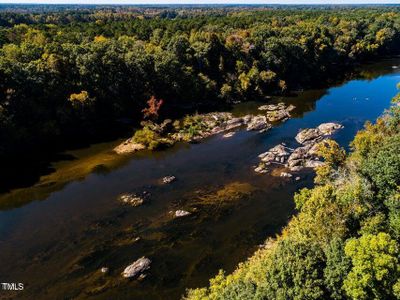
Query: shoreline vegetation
(344,241)
(75,76)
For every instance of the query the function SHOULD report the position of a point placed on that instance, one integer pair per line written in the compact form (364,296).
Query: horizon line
(198,3)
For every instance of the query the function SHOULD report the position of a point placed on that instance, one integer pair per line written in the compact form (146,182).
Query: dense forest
(344,242)
(78,74)
(71,74)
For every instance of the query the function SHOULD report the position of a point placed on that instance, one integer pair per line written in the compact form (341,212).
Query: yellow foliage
(81,97)
(100,39)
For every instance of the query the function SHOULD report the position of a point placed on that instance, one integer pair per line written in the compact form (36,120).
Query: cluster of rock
(220,122)
(210,124)
(277,112)
(304,156)
(137,268)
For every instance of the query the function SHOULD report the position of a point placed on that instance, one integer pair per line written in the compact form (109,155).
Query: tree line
(72,74)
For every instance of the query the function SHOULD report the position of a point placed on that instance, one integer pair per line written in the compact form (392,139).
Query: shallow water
(56,234)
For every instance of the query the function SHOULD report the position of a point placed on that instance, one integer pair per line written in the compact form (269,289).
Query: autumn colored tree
(152,109)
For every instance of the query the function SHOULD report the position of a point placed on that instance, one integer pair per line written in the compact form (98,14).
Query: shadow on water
(57,247)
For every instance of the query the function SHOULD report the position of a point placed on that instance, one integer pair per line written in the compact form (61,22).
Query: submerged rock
(229,134)
(168,179)
(261,169)
(137,268)
(182,213)
(224,195)
(290,108)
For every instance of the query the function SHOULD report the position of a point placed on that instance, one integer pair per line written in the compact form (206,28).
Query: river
(57,233)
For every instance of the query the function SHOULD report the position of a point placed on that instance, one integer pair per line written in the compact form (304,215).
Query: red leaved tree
(152,109)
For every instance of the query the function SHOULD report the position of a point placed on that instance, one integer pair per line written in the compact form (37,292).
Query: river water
(57,234)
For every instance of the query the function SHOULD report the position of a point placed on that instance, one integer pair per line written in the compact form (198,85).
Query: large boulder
(314,135)
(309,135)
(279,153)
(329,128)
(137,268)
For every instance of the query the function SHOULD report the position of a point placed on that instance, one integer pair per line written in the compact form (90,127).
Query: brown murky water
(56,234)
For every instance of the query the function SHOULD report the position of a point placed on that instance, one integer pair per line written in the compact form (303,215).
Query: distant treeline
(70,74)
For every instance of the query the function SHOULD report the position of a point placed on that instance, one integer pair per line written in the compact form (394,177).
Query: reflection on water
(57,246)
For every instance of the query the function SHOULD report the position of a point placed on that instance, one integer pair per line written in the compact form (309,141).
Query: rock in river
(258,123)
(229,134)
(305,156)
(309,135)
(278,115)
(137,268)
(313,135)
(278,154)
(329,128)
(261,169)
(168,179)
(285,174)
(132,199)
(277,112)
(181,213)
(272,107)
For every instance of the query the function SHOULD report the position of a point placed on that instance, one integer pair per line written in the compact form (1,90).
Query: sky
(202,1)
